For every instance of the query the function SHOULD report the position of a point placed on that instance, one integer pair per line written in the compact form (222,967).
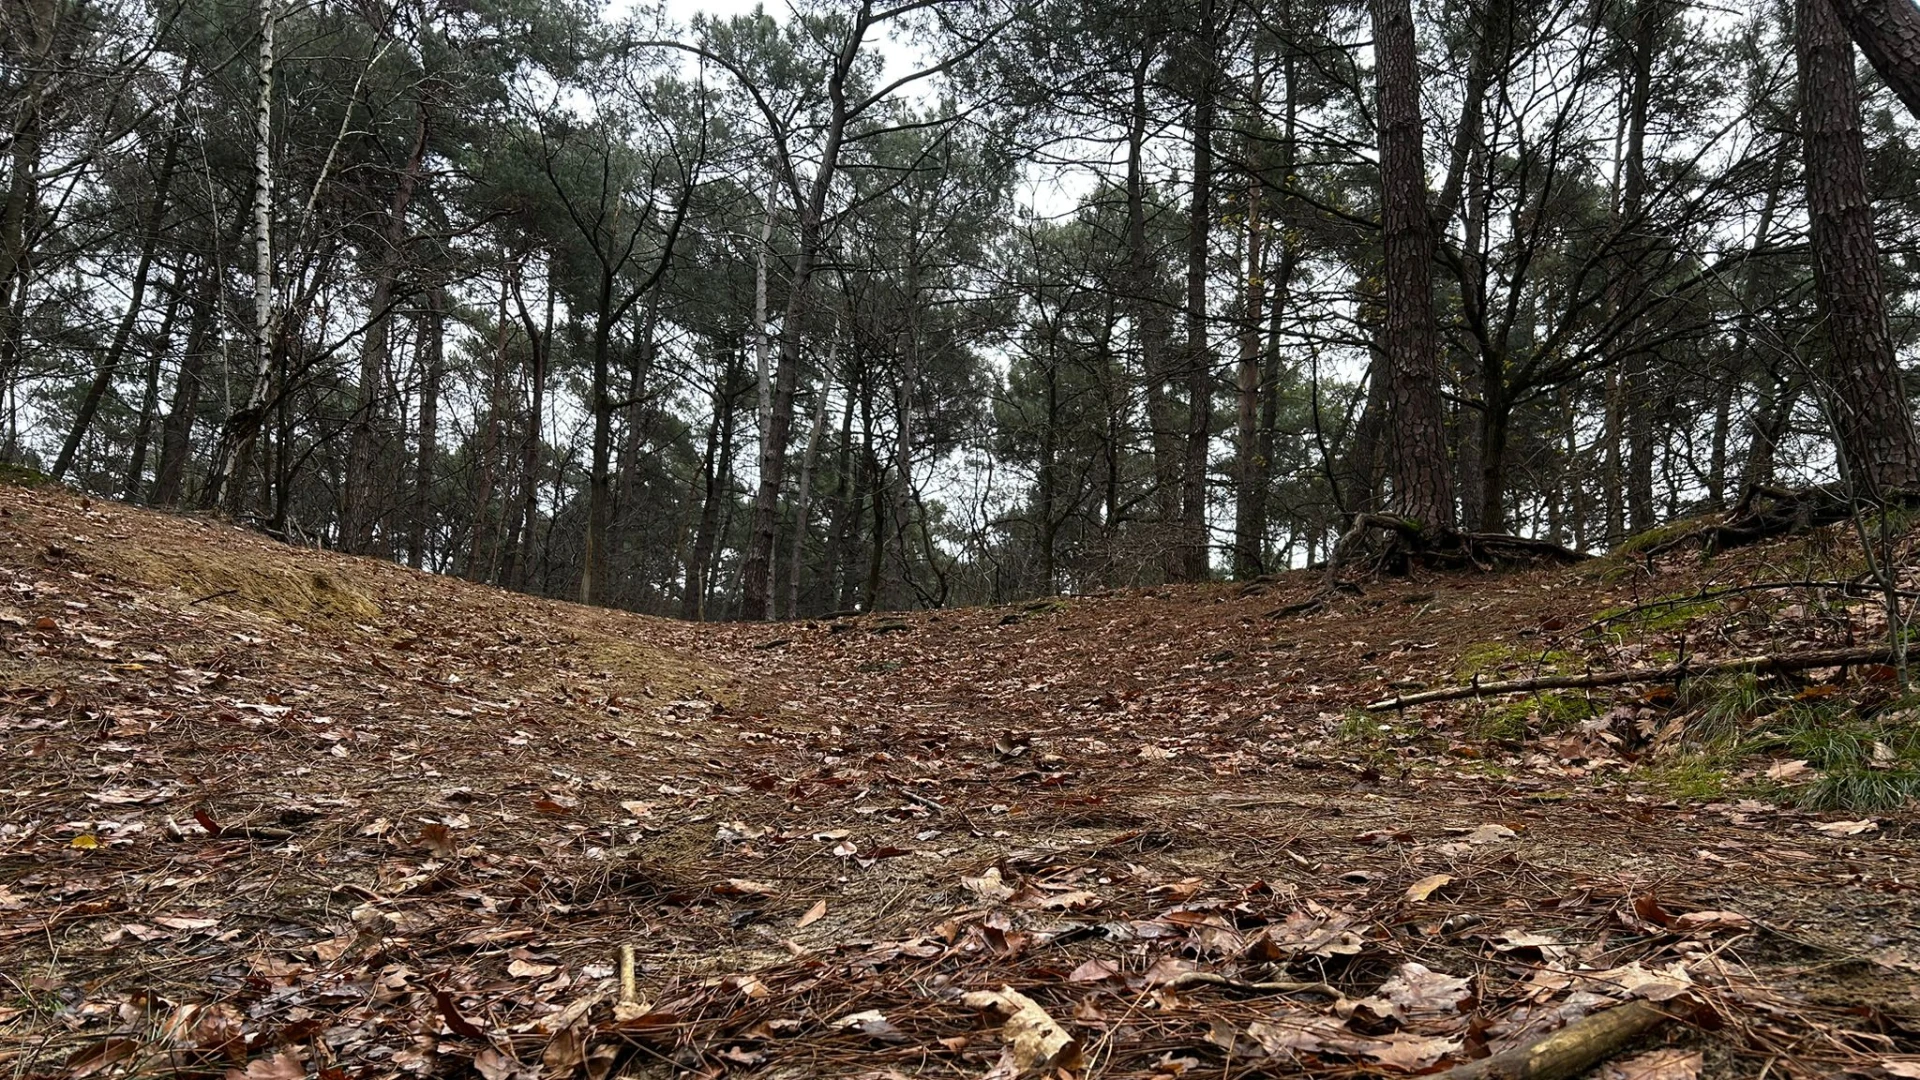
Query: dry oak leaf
(1403,1050)
(1418,990)
(1034,1042)
(1706,922)
(988,886)
(1846,828)
(1427,886)
(1908,1068)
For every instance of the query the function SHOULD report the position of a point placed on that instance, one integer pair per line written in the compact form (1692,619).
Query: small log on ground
(1570,1051)
(1761,665)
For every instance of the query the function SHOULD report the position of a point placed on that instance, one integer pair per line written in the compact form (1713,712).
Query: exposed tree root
(1880,654)
(1765,512)
(1409,544)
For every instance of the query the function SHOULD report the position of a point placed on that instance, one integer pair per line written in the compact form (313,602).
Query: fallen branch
(1570,1051)
(1759,665)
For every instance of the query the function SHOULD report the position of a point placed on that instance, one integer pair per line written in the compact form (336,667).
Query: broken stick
(1570,1051)
(1672,672)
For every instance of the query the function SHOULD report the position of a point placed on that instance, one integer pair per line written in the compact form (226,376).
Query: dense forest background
(917,303)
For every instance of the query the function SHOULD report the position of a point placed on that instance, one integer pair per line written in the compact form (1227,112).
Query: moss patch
(241,578)
(1488,659)
(1543,714)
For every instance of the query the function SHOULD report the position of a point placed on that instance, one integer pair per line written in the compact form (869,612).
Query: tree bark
(1867,398)
(236,443)
(1888,31)
(157,348)
(801,501)
(1194,560)
(358,506)
(1422,480)
(431,358)
(176,434)
(1150,326)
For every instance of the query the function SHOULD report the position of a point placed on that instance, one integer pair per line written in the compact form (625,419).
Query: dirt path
(332,817)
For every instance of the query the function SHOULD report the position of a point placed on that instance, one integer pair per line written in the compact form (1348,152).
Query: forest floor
(269,812)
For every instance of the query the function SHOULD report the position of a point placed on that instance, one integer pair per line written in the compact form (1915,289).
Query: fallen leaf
(1427,886)
(988,886)
(1403,1050)
(1706,922)
(528,969)
(872,1023)
(1034,1042)
(1095,970)
(1906,1068)
(813,914)
(1846,828)
(1788,770)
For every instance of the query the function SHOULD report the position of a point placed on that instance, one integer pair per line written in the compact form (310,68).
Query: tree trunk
(236,442)
(176,434)
(541,344)
(359,504)
(431,358)
(717,472)
(801,502)
(157,348)
(1889,33)
(481,562)
(1868,400)
(1637,403)
(1422,481)
(1150,327)
(1194,554)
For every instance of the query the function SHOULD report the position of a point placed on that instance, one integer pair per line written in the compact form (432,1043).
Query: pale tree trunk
(244,425)
(1422,479)
(763,346)
(1867,398)
(360,501)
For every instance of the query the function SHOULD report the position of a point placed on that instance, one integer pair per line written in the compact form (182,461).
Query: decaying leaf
(812,915)
(1846,828)
(872,1023)
(1427,886)
(988,886)
(1034,1042)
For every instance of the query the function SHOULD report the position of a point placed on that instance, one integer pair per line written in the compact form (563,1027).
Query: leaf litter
(412,834)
